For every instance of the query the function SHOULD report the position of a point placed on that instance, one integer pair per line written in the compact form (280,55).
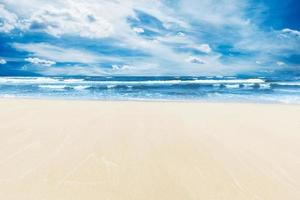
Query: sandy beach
(75,150)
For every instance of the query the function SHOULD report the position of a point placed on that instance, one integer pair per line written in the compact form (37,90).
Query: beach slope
(75,150)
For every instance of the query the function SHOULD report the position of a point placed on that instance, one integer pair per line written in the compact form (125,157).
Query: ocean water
(204,88)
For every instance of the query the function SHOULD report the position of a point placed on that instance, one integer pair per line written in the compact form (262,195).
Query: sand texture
(93,150)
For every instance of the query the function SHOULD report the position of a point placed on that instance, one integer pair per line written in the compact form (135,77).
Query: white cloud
(181,34)
(59,54)
(72,70)
(38,61)
(195,60)
(86,18)
(120,67)
(224,22)
(292,32)
(218,13)
(138,30)
(280,63)
(2,61)
(8,20)
(205,48)
(76,19)
(273,43)
(115,67)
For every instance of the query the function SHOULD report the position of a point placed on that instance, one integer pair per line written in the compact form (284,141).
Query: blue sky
(149,37)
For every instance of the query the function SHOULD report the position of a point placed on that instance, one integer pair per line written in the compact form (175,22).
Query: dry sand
(85,150)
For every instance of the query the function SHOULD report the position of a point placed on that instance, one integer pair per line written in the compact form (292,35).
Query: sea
(155,88)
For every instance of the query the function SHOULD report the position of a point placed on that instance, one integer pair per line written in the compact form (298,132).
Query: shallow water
(220,89)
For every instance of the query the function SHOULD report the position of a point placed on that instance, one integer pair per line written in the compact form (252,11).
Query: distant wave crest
(154,88)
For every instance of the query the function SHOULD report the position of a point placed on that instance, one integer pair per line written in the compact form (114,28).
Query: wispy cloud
(58,54)
(170,37)
(8,20)
(292,32)
(195,60)
(38,61)
(2,61)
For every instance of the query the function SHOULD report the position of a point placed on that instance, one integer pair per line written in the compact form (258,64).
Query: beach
(74,150)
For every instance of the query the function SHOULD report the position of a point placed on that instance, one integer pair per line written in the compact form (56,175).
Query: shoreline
(149,101)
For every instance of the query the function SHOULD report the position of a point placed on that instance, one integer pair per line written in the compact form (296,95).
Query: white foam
(232,86)
(248,85)
(170,82)
(73,80)
(41,80)
(8,96)
(217,85)
(265,86)
(80,87)
(290,90)
(111,86)
(288,83)
(56,87)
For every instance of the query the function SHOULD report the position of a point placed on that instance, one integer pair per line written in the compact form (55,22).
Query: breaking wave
(154,88)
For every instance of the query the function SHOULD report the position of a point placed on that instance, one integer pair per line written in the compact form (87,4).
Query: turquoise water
(204,88)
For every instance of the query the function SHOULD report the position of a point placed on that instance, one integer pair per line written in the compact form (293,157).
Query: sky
(149,37)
